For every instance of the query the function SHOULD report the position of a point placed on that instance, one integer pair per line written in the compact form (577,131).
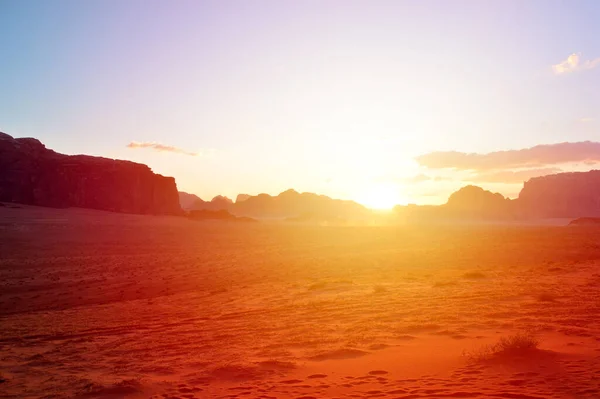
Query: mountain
(241,197)
(289,205)
(563,195)
(32,174)
(470,203)
(292,204)
(476,203)
(186,200)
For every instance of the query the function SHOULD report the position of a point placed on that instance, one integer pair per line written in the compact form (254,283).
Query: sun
(381,196)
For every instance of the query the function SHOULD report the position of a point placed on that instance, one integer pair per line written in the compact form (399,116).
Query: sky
(382,102)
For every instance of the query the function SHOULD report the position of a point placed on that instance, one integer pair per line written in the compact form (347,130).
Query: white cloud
(574,63)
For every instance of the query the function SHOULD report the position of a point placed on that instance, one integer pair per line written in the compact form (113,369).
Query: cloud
(573,63)
(540,155)
(512,176)
(161,148)
(586,120)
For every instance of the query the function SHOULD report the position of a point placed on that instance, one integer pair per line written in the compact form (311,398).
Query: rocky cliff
(563,195)
(32,174)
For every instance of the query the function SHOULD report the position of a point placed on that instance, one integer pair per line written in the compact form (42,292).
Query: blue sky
(334,97)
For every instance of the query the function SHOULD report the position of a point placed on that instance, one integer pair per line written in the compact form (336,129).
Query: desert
(342,199)
(101,305)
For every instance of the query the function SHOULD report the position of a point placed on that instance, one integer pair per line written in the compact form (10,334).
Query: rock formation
(563,195)
(32,174)
(288,205)
(474,202)
(187,200)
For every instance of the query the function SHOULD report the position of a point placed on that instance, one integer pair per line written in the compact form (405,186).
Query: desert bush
(517,344)
(473,275)
(546,297)
(379,289)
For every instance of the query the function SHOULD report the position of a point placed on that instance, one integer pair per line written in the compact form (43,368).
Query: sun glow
(381,196)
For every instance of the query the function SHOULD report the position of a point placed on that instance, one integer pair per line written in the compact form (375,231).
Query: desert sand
(101,305)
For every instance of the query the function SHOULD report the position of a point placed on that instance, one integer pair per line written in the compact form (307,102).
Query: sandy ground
(99,305)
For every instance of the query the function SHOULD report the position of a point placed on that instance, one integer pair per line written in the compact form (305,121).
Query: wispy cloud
(512,176)
(161,148)
(538,156)
(574,63)
(586,120)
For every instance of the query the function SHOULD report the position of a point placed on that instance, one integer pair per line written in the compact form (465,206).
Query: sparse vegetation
(546,297)
(379,289)
(513,345)
(473,275)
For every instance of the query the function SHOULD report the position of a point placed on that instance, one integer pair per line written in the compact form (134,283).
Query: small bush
(473,275)
(518,344)
(546,297)
(379,289)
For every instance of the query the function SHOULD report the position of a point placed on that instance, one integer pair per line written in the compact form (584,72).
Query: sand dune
(99,305)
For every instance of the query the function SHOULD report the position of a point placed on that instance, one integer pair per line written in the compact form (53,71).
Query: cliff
(563,195)
(32,174)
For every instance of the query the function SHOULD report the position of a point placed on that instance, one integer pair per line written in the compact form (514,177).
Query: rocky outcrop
(241,197)
(476,203)
(292,204)
(187,201)
(563,195)
(32,174)
(468,204)
(288,205)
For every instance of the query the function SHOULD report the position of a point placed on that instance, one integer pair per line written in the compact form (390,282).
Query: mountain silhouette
(32,174)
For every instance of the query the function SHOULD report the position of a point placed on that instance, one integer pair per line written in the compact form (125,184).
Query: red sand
(99,305)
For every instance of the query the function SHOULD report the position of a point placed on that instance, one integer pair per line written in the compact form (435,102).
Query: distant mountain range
(32,174)
(563,195)
(289,205)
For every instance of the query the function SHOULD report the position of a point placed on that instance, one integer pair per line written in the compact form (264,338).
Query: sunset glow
(299,199)
(382,196)
(324,93)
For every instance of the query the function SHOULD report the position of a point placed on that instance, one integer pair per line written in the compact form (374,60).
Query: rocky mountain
(470,203)
(187,200)
(292,204)
(32,174)
(289,205)
(563,195)
(476,203)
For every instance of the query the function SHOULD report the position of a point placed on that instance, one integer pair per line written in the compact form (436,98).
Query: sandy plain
(101,305)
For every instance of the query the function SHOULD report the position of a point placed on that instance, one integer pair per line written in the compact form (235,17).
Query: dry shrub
(473,275)
(379,289)
(518,344)
(546,297)
(321,285)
